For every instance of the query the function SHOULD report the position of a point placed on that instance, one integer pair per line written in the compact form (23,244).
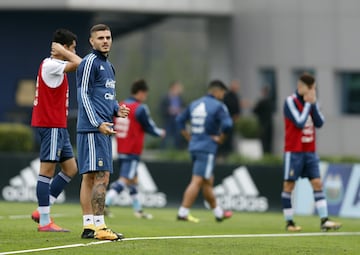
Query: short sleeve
(53,72)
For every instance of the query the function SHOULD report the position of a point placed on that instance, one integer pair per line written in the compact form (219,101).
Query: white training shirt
(53,72)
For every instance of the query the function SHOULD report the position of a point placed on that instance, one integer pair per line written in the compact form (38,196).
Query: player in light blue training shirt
(209,122)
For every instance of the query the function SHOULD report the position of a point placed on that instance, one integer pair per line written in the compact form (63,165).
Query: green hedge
(16,137)
(247,127)
(236,158)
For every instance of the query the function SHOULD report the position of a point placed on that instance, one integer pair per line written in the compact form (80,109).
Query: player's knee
(316,184)
(69,167)
(71,172)
(317,187)
(288,186)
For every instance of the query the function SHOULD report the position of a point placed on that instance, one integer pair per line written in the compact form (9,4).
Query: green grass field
(19,233)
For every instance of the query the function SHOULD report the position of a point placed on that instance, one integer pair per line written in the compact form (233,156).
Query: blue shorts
(203,164)
(55,144)
(301,164)
(94,152)
(128,165)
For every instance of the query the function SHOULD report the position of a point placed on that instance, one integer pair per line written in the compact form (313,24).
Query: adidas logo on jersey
(238,192)
(101,67)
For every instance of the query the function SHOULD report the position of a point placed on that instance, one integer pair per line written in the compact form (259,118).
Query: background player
(97,106)
(49,117)
(302,115)
(210,121)
(130,134)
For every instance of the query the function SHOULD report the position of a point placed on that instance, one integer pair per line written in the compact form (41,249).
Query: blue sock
(58,184)
(118,186)
(135,199)
(43,190)
(287,207)
(42,193)
(321,204)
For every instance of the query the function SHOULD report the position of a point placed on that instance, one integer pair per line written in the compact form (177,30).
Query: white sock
(183,212)
(52,200)
(218,212)
(88,219)
(44,209)
(110,195)
(44,215)
(99,220)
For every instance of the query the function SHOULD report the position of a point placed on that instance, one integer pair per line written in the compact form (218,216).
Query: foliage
(236,158)
(341,159)
(272,159)
(16,137)
(172,155)
(267,159)
(161,56)
(248,127)
(152,142)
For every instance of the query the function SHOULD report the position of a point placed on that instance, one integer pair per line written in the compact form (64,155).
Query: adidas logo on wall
(238,192)
(23,186)
(148,191)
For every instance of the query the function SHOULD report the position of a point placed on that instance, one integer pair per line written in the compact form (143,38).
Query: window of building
(268,78)
(349,83)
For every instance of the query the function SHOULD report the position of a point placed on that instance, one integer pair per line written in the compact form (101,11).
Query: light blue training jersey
(208,117)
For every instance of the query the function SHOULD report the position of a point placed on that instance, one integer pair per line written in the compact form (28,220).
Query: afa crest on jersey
(100,162)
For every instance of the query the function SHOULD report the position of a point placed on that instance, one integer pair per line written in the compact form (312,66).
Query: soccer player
(210,121)
(49,117)
(97,106)
(302,115)
(130,134)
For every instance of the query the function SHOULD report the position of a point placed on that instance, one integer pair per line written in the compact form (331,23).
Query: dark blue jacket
(96,96)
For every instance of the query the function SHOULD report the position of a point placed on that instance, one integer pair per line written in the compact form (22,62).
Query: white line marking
(27,216)
(43,249)
(244,236)
(186,237)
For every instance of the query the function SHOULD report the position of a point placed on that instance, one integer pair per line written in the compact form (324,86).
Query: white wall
(288,34)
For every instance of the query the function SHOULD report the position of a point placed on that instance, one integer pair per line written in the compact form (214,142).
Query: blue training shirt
(96,96)
(208,117)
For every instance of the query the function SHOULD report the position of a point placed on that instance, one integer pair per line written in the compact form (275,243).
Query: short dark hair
(217,84)
(139,85)
(64,37)
(307,79)
(99,27)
